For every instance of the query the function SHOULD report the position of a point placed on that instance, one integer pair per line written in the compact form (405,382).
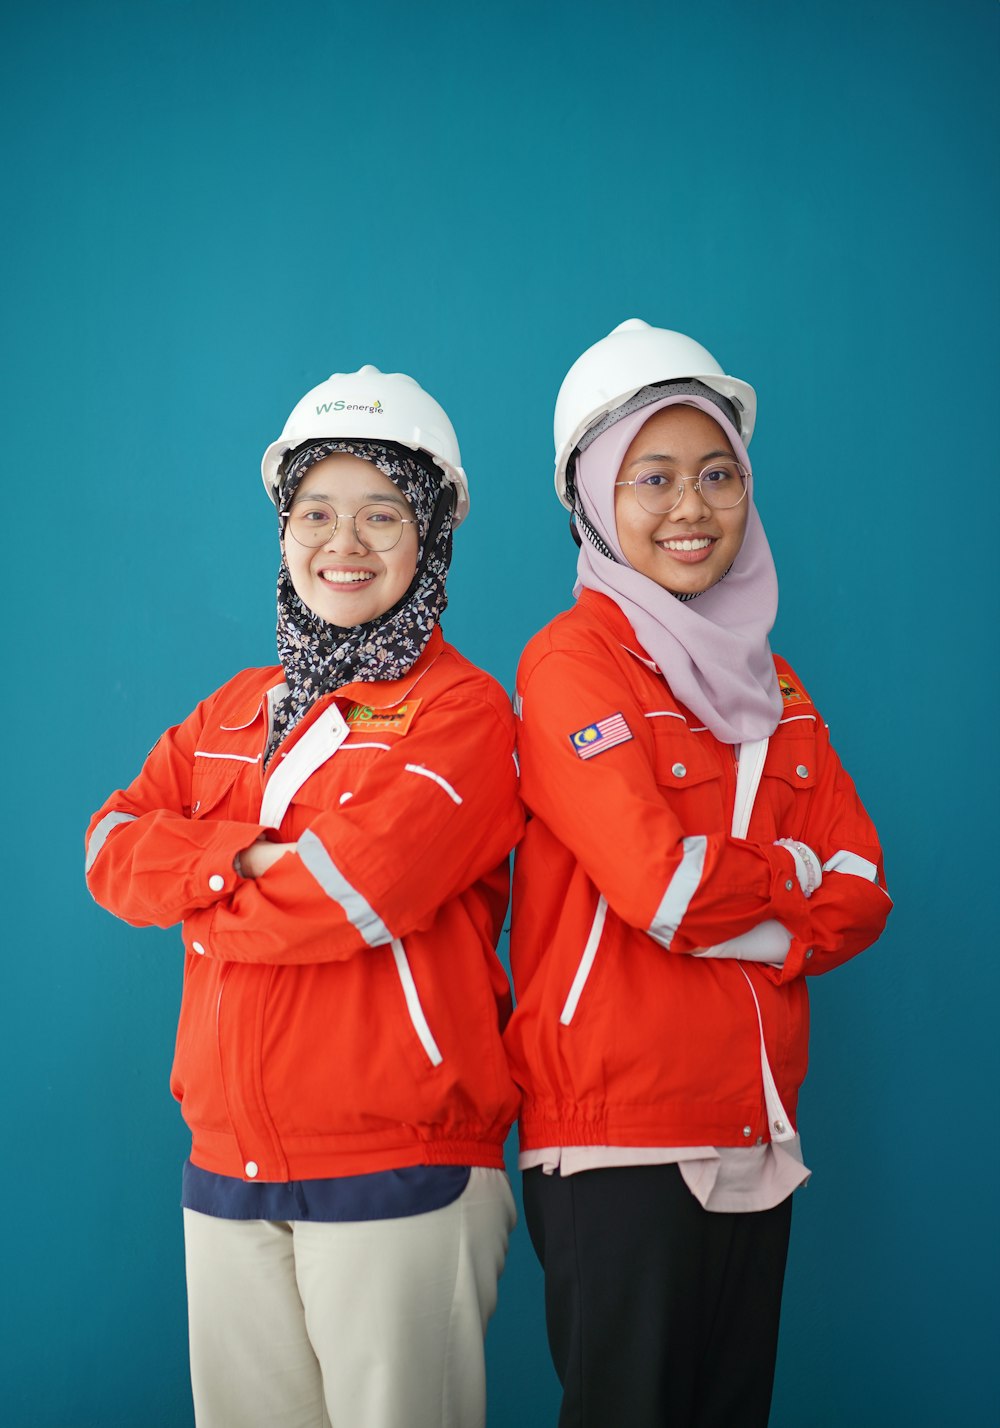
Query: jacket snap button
(197,947)
(216,882)
(251,1169)
(779,1126)
(747,1132)
(789,885)
(809,952)
(678,771)
(802,771)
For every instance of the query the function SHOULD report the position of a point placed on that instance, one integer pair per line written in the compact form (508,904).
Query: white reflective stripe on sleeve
(317,861)
(413,1006)
(680,890)
(100,834)
(853,863)
(586,962)
(778,1120)
(436,778)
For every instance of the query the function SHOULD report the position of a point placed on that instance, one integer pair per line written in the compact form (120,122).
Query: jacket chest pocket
(689,775)
(335,783)
(786,788)
(219,786)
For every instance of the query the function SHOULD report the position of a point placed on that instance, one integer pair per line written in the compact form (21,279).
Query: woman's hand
(260,856)
(808,868)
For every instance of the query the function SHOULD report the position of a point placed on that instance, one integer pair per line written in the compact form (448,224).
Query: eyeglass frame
(343,516)
(695,486)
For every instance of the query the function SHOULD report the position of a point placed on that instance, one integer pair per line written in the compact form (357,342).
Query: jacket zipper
(779,1121)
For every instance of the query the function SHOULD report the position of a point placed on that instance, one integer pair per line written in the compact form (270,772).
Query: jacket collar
(604,610)
(376,694)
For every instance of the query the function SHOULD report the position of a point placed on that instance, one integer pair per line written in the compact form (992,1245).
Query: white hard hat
(631,357)
(369,405)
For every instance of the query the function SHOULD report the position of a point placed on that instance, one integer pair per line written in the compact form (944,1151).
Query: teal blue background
(208,208)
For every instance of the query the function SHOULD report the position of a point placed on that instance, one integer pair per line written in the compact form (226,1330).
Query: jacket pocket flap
(793,760)
(212,782)
(681,760)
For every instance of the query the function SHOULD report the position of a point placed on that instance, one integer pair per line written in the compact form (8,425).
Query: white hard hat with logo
(631,357)
(369,405)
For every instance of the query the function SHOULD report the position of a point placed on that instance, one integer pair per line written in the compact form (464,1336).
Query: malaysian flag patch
(605,734)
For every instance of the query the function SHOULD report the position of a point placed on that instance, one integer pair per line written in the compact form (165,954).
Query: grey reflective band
(680,890)
(318,862)
(100,834)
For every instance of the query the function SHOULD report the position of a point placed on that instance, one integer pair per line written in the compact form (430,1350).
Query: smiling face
(341,581)
(692,547)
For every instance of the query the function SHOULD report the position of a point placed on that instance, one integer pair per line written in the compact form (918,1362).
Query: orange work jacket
(342,1013)
(621,1036)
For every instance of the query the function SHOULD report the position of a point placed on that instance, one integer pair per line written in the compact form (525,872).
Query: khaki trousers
(376,1324)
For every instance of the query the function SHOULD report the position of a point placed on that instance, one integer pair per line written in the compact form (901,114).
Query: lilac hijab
(713,651)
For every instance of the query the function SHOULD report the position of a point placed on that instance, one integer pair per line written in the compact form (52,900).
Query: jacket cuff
(214,876)
(789,905)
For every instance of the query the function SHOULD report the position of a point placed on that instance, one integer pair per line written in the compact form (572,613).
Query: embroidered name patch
(363,719)
(605,734)
(789,693)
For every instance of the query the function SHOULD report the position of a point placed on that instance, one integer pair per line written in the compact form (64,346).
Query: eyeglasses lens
(722,485)
(378,528)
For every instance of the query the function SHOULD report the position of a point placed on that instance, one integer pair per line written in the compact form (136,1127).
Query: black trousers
(660,1314)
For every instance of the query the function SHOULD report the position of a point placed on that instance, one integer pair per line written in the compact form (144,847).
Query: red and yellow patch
(790,693)
(363,719)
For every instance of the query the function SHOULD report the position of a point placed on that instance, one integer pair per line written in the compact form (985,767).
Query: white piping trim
(778,1119)
(441,782)
(416,1011)
(794,718)
(99,837)
(650,664)
(239,758)
(270,695)
(349,747)
(586,962)
(853,863)
(680,890)
(664,714)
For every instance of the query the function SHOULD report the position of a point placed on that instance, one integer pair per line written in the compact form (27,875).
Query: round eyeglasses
(721,486)
(377,527)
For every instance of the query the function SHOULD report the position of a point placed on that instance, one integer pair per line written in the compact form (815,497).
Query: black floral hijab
(318,657)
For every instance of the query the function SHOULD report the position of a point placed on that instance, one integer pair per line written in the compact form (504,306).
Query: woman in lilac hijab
(695,850)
